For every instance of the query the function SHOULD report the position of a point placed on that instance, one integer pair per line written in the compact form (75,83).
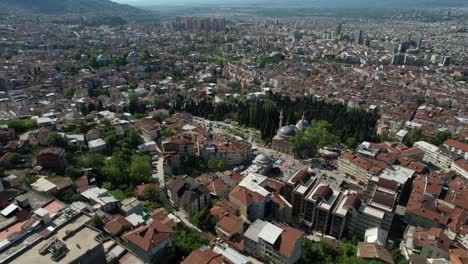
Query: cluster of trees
(135,105)
(323,253)
(20,125)
(204,220)
(96,90)
(461,78)
(187,240)
(124,169)
(216,165)
(317,136)
(127,144)
(418,135)
(191,166)
(151,193)
(345,253)
(221,58)
(121,170)
(263,114)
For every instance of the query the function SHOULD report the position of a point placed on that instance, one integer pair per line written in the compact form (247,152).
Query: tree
(97,221)
(204,220)
(54,139)
(107,185)
(92,160)
(72,172)
(216,165)
(440,137)
(140,169)
(113,174)
(69,93)
(134,103)
(352,143)
(20,125)
(414,136)
(318,135)
(317,252)
(151,193)
(166,132)
(132,138)
(187,240)
(28,180)
(15,158)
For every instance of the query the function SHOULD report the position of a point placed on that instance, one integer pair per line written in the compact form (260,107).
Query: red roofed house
(150,241)
(215,185)
(273,243)
(140,189)
(426,243)
(457,147)
(461,167)
(204,255)
(230,228)
(182,144)
(251,204)
(117,226)
(359,168)
(458,256)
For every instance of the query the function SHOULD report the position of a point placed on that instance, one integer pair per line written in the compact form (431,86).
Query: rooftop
(79,242)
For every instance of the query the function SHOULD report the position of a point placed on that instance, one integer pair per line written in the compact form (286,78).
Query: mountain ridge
(306,3)
(61,7)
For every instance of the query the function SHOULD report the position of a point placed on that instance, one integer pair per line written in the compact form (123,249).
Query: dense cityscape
(233,134)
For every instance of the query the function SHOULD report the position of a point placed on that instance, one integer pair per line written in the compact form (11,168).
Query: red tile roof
(462,163)
(236,177)
(149,236)
(160,215)
(228,222)
(374,251)
(286,243)
(140,189)
(222,207)
(117,225)
(245,196)
(456,144)
(203,256)
(432,237)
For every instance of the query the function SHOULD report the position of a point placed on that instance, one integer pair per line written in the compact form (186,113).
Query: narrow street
(184,218)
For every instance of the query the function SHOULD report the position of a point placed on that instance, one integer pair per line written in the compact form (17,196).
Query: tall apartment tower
(358,37)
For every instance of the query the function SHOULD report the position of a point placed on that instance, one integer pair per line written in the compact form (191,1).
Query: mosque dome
(262,159)
(287,131)
(102,60)
(277,54)
(302,124)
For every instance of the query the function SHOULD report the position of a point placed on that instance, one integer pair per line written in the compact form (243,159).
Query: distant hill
(60,7)
(308,3)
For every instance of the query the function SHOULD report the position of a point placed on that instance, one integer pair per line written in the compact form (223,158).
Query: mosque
(281,142)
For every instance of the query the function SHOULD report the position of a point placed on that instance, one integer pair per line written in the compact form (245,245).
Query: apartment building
(359,168)
(182,144)
(352,217)
(273,243)
(461,167)
(457,147)
(435,155)
(322,205)
(318,207)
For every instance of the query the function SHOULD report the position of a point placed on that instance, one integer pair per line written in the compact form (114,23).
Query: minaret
(281,119)
(302,122)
